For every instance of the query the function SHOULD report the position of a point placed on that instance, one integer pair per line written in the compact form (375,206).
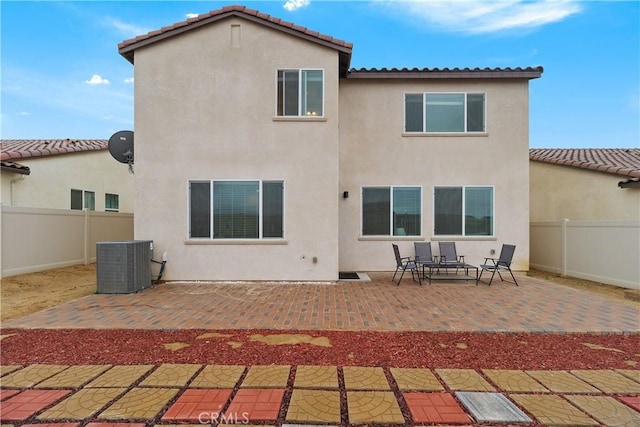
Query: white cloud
(128,80)
(127,30)
(191,15)
(477,17)
(292,5)
(23,113)
(97,80)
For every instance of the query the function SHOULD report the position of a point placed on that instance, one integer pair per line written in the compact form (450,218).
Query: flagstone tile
(170,375)
(608,381)
(218,376)
(464,380)
(316,377)
(29,402)
(193,404)
(633,374)
(267,376)
(607,410)
(435,408)
(373,407)
(514,381)
(416,379)
(73,377)
(7,369)
(255,405)
(553,410)
(31,375)
(365,378)
(82,404)
(120,376)
(139,403)
(51,425)
(314,406)
(562,382)
(101,424)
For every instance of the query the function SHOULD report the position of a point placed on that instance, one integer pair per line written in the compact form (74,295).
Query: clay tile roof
(616,161)
(447,73)
(15,168)
(25,148)
(127,47)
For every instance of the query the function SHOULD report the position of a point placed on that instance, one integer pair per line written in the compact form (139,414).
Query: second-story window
(444,112)
(300,93)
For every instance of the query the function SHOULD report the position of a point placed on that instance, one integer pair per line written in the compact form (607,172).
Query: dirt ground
(28,293)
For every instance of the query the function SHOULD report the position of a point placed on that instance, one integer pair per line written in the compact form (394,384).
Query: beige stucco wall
(52,178)
(374,151)
(559,192)
(205,110)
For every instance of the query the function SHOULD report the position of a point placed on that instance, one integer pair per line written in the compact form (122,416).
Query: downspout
(13,181)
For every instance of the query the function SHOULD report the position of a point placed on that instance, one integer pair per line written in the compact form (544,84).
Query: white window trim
(212,239)
(424,115)
(391,236)
(463,236)
(300,116)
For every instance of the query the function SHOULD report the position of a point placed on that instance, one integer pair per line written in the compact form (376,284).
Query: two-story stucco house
(260,155)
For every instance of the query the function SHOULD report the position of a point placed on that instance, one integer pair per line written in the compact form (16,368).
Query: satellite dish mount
(121,147)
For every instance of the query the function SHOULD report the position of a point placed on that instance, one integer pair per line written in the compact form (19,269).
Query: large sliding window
(300,93)
(444,112)
(463,211)
(391,211)
(251,209)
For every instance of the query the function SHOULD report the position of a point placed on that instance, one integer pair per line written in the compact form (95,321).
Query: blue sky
(62,76)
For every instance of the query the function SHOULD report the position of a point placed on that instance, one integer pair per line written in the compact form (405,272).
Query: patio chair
(449,257)
(404,264)
(501,263)
(424,256)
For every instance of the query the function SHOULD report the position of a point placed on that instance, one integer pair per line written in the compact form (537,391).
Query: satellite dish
(121,147)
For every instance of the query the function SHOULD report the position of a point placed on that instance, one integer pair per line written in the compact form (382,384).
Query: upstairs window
(300,93)
(391,211)
(444,112)
(236,209)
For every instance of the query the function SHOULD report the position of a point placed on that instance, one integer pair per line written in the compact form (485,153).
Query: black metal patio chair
(449,257)
(424,256)
(501,263)
(404,264)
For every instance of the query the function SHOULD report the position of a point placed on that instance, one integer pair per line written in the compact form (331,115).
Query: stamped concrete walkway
(169,394)
(378,305)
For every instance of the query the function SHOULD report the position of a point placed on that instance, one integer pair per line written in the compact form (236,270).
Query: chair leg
(493,274)
(514,278)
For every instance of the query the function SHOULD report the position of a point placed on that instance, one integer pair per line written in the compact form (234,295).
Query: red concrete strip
(25,404)
(198,405)
(435,408)
(255,405)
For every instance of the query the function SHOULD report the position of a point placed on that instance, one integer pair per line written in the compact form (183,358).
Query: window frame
(392,229)
(301,95)
(117,199)
(211,237)
(465,116)
(85,200)
(463,213)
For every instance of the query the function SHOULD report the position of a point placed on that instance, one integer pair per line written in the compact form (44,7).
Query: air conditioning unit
(124,267)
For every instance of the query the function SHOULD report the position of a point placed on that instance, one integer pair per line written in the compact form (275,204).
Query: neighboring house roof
(25,148)
(623,162)
(127,47)
(14,168)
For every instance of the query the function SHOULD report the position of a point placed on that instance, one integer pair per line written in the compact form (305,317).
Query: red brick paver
(5,394)
(435,408)
(25,404)
(198,405)
(633,401)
